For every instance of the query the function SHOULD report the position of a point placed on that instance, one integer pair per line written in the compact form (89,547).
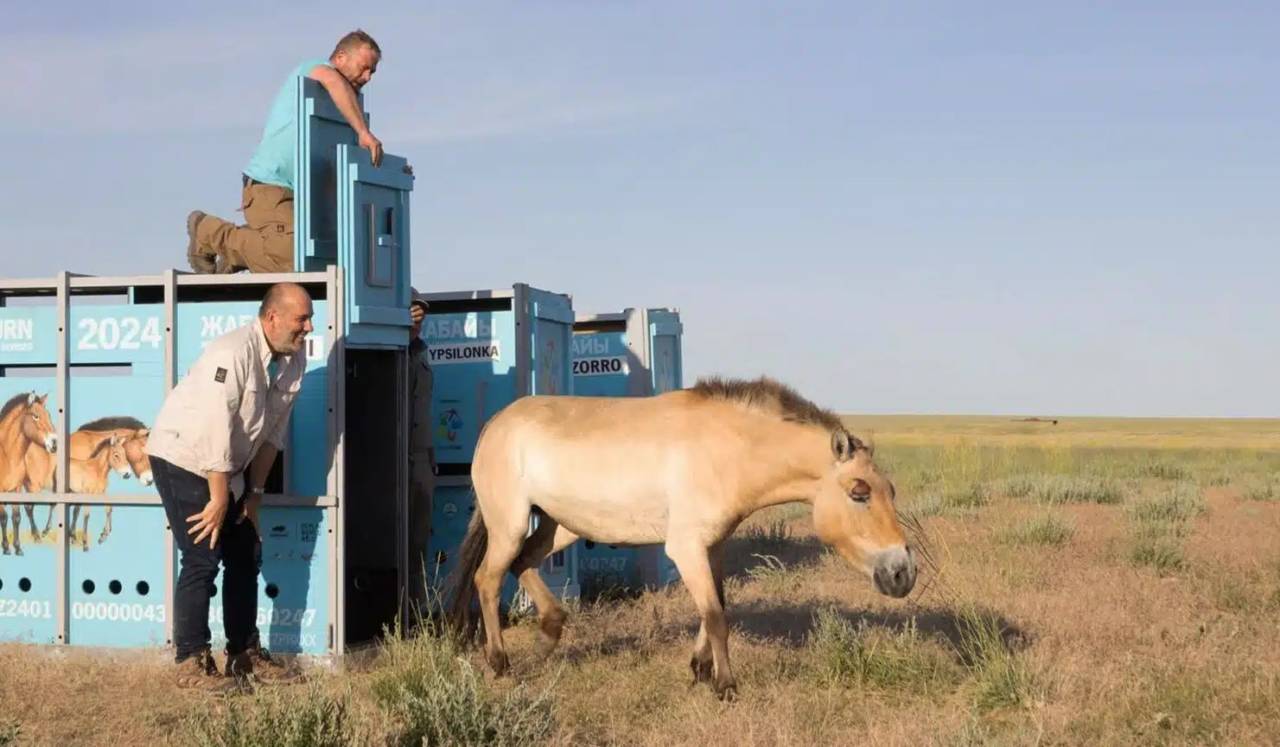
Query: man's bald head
(285,314)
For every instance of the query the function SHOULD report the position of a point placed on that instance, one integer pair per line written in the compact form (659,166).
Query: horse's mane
(768,395)
(112,423)
(105,443)
(14,402)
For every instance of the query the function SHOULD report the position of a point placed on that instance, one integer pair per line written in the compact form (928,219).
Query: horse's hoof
(728,692)
(498,662)
(17,551)
(701,670)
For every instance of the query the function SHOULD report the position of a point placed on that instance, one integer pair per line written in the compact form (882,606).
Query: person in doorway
(265,242)
(229,415)
(422,460)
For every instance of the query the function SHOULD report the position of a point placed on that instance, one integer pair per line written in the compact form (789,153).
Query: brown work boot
(200,672)
(202,263)
(258,663)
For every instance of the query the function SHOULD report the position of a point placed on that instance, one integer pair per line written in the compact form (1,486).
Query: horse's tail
(460,618)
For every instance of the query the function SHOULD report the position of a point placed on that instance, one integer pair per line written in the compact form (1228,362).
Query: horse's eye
(860,492)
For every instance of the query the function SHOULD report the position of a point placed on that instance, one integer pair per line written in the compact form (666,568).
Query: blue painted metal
(373,246)
(293,587)
(116,588)
(321,129)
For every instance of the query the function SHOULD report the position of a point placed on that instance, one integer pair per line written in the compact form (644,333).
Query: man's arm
(259,468)
(344,97)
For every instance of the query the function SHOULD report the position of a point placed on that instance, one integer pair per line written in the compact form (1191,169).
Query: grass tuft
(303,716)
(1001,678)
(436,697)
(863,656)
(1046,530)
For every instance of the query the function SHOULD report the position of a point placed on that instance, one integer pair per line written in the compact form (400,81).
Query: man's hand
(373,145)
(250,511)
(209,521)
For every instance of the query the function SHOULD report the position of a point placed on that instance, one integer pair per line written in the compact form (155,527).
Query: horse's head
(117,457)
(37,426)
(854,513)
(135,450)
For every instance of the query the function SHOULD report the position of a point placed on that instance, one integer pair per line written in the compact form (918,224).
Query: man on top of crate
(226,421)
(265,242)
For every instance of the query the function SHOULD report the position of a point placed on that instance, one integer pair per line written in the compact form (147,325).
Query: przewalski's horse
(683,469)
(88,475)
(42,466)
(24,421)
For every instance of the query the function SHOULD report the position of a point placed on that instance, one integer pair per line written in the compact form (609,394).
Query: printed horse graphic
(126,455)
(24,421)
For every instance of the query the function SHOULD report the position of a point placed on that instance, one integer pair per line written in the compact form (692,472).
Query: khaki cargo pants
(264,243)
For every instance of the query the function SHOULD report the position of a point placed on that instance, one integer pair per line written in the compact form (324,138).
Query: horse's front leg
(701,663)
(4,530)
(695,568)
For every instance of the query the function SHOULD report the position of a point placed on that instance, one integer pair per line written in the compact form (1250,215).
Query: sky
(954,208)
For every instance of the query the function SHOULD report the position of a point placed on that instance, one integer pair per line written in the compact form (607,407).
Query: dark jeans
(239,550)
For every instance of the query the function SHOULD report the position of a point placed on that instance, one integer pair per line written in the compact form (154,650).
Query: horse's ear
(31,399)
(842,445)
(142,433)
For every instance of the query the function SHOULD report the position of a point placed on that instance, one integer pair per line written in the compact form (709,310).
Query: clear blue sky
(1065,208)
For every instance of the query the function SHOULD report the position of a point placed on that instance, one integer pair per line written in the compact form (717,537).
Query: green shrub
(1047,530)
(437,697)
(302,716)
(863,656)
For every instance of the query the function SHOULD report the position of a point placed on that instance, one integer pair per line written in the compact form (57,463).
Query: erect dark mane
(112,423)
(14,402)
(105,443)
(768,395)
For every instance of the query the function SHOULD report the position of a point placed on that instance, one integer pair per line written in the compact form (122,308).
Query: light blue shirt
(272,162)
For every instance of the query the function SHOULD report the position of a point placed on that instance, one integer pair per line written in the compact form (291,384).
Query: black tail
(460,617)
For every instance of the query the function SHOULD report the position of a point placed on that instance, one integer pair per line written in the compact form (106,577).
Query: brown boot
(202,263)
(200,672)
(258,663)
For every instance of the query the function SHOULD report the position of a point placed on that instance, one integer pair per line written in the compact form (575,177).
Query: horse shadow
(744,552)
(793,626)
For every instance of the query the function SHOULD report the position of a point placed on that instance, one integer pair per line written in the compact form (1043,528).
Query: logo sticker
(220,375)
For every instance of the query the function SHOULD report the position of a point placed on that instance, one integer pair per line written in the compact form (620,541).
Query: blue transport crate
(486,349)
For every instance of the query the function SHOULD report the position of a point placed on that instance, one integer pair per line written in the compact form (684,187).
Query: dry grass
(1120,591)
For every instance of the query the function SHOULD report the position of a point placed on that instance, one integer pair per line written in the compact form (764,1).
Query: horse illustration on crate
(96,449)
(24,422)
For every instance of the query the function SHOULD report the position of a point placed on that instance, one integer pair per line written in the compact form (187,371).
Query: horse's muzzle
(895,573)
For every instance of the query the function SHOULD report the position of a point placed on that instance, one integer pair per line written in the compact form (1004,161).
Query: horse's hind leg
(548,538)
(4,531)
(506,535)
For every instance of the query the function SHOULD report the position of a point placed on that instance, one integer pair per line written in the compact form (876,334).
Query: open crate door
(321,129)
(665,356)
(373,230)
